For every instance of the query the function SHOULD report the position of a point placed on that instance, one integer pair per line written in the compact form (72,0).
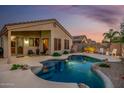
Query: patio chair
(45,52)
(30,52)
(114,52)
(101,50)
(107,53)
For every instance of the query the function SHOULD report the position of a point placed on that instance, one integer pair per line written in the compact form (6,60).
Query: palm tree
(121,34)
(110,35)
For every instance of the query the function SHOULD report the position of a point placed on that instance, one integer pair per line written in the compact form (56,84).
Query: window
(31,42)
(12,43)
(57,44)
(37,42)
(66,44)
(34,42)
(20,41)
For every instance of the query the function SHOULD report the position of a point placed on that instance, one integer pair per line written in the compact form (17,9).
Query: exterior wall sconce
(26,41)
(13,38)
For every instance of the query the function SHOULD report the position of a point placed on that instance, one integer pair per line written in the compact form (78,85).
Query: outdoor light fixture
(26,41)
(12,38)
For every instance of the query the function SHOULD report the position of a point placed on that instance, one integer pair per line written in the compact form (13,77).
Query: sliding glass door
(20,45)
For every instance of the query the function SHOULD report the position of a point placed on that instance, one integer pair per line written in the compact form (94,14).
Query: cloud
(108,14)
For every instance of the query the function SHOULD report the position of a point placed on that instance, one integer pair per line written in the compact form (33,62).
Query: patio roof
(4,29)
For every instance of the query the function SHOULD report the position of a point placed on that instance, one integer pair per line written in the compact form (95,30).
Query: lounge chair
(30,52)
(114,52)
(107,53)
(101,51)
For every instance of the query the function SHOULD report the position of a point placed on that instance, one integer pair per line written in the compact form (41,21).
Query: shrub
(18,66)
(65,52)
(55,54)
(15,67)
(104,65)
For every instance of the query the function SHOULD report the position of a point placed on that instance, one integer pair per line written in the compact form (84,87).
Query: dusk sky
(91,21)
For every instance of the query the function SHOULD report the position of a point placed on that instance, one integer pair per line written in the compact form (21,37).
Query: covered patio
(23,41)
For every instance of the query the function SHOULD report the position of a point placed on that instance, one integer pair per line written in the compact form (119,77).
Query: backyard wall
(117,46)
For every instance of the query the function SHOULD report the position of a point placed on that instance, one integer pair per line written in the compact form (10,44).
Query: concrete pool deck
(103,57)
(115,73)
(25,78)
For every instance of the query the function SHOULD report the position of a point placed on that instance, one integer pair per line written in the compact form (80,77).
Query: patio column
(40,44)
(9,47)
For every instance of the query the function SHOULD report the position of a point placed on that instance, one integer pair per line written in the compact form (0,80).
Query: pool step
(47,71)
(48,75)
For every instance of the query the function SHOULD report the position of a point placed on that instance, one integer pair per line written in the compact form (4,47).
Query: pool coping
(107,82)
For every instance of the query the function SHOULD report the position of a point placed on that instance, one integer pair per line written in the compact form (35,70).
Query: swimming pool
(75,69)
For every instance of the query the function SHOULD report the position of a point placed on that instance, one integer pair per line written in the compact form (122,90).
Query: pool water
(76,70)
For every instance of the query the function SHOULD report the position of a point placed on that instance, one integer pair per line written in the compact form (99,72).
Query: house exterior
(18,38)
(80,41)
(91,42)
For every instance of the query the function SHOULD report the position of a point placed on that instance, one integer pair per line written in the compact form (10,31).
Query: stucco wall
(116,46)
(58,33)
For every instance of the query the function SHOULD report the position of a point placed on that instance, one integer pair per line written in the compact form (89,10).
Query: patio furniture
(107,53)
(46,52)
(114,52)
(30,52)
(101,51)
